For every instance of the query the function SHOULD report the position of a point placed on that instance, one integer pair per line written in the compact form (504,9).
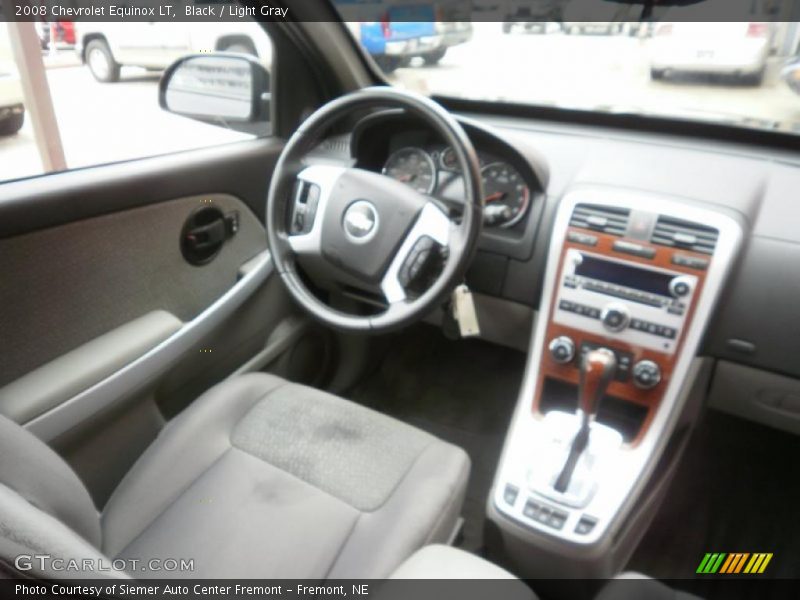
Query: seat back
(44,507)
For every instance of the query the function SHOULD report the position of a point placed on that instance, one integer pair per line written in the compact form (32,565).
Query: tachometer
(506,195)
(414,167)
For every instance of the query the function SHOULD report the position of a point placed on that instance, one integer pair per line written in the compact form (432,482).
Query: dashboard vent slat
(684,234)
(608,219)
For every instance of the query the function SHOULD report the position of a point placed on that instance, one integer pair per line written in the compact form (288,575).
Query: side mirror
(220,88)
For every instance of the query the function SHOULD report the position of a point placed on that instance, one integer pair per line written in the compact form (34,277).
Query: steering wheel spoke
(432,227)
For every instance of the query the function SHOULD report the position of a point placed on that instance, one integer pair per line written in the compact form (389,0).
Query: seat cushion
(264,478)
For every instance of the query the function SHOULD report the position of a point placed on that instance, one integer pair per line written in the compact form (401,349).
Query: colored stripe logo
(734,563)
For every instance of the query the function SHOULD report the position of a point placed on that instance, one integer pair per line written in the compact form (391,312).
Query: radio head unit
(639,304)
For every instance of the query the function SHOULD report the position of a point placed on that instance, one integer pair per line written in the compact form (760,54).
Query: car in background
(531,14)
(64,33)
(393,44)
(12,109)
(737,49)
(591,27)
(453,33)
(399,33)
(454,24)
(106,47)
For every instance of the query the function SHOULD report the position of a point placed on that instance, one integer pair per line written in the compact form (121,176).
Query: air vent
(607,219)
(684,234)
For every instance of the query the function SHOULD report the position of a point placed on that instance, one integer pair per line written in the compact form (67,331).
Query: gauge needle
(494,197)
(406,177)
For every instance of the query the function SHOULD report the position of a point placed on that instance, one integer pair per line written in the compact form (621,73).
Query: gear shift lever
(597,370)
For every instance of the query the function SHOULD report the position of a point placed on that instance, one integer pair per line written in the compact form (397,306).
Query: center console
(631,282)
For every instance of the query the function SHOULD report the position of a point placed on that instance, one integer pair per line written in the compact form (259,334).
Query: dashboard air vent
(608,219)
(684,234)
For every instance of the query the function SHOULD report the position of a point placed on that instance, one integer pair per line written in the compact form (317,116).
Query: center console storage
(631,282)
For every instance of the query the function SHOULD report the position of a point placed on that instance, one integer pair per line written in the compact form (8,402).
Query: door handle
(203,236)
(205,232)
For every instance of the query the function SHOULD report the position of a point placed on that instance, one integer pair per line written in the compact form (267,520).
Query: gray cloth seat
(259,478)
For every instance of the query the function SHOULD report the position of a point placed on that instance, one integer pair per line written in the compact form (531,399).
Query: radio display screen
(644,280)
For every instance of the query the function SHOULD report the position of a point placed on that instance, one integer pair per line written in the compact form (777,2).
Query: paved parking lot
(595,72)
(107,122)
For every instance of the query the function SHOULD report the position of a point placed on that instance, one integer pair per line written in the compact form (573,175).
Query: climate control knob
(646,374)
(615,316)
(562,349)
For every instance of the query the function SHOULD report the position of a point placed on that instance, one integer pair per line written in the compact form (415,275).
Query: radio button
(667,332)
(634,249)
(566,305)
(683,260)
(615,317)
(582,238)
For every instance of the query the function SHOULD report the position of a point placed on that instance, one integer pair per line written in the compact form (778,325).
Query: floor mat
(737,490)
(462,391)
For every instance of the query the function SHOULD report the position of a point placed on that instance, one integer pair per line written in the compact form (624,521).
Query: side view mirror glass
(218,88)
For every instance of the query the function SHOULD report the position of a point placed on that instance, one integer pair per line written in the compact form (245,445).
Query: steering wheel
(358,229)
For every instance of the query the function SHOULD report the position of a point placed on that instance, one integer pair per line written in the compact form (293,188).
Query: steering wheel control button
(416,260)
(304,209)
(562,349)
(646,374)
(615,317)
(360,221)
(585,525)
(680,286)
(634,249)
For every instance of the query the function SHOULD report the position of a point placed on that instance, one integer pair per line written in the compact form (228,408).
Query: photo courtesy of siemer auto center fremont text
(400,299)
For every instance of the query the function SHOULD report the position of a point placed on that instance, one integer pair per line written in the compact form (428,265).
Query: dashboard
(756,183)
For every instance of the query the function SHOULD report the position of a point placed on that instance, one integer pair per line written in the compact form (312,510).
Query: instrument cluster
(435,171)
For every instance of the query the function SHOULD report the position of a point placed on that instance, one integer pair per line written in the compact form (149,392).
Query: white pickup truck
(106,47)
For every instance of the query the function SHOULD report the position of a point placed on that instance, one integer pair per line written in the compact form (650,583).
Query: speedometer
(506,195)
(414,167)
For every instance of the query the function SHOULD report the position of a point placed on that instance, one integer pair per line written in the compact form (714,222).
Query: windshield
(536,52)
